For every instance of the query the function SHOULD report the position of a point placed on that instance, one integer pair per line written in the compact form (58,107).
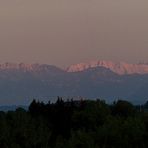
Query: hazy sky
(63,32)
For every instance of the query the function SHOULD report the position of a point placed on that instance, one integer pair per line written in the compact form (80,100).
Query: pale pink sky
(63,32)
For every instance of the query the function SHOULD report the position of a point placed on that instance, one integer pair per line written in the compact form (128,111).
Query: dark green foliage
(123,108)
(74,124)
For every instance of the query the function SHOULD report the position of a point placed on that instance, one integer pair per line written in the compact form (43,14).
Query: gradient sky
(64,32)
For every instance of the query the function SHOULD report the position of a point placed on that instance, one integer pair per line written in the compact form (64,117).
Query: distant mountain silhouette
(20,83)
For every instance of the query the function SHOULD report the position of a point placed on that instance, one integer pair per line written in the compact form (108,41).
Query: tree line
(75,124)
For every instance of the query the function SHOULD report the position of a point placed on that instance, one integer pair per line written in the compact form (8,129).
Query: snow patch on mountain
(120,68)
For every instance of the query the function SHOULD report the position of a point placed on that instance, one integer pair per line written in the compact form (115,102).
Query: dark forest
(75,124)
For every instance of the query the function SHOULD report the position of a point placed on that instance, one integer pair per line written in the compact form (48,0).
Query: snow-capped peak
(117,67)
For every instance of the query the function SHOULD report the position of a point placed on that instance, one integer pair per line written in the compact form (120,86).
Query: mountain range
(120,68)
(20,83)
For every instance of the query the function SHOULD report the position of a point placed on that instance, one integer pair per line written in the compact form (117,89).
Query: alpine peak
(120,68)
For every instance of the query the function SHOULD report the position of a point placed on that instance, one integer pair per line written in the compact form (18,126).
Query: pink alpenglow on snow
(117,67)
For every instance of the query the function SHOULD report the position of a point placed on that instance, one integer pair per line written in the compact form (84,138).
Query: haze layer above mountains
(20,83)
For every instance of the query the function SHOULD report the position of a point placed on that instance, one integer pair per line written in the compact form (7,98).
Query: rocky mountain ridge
(120,68)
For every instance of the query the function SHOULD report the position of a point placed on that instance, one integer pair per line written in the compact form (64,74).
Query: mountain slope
(117,67)
(19,84)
